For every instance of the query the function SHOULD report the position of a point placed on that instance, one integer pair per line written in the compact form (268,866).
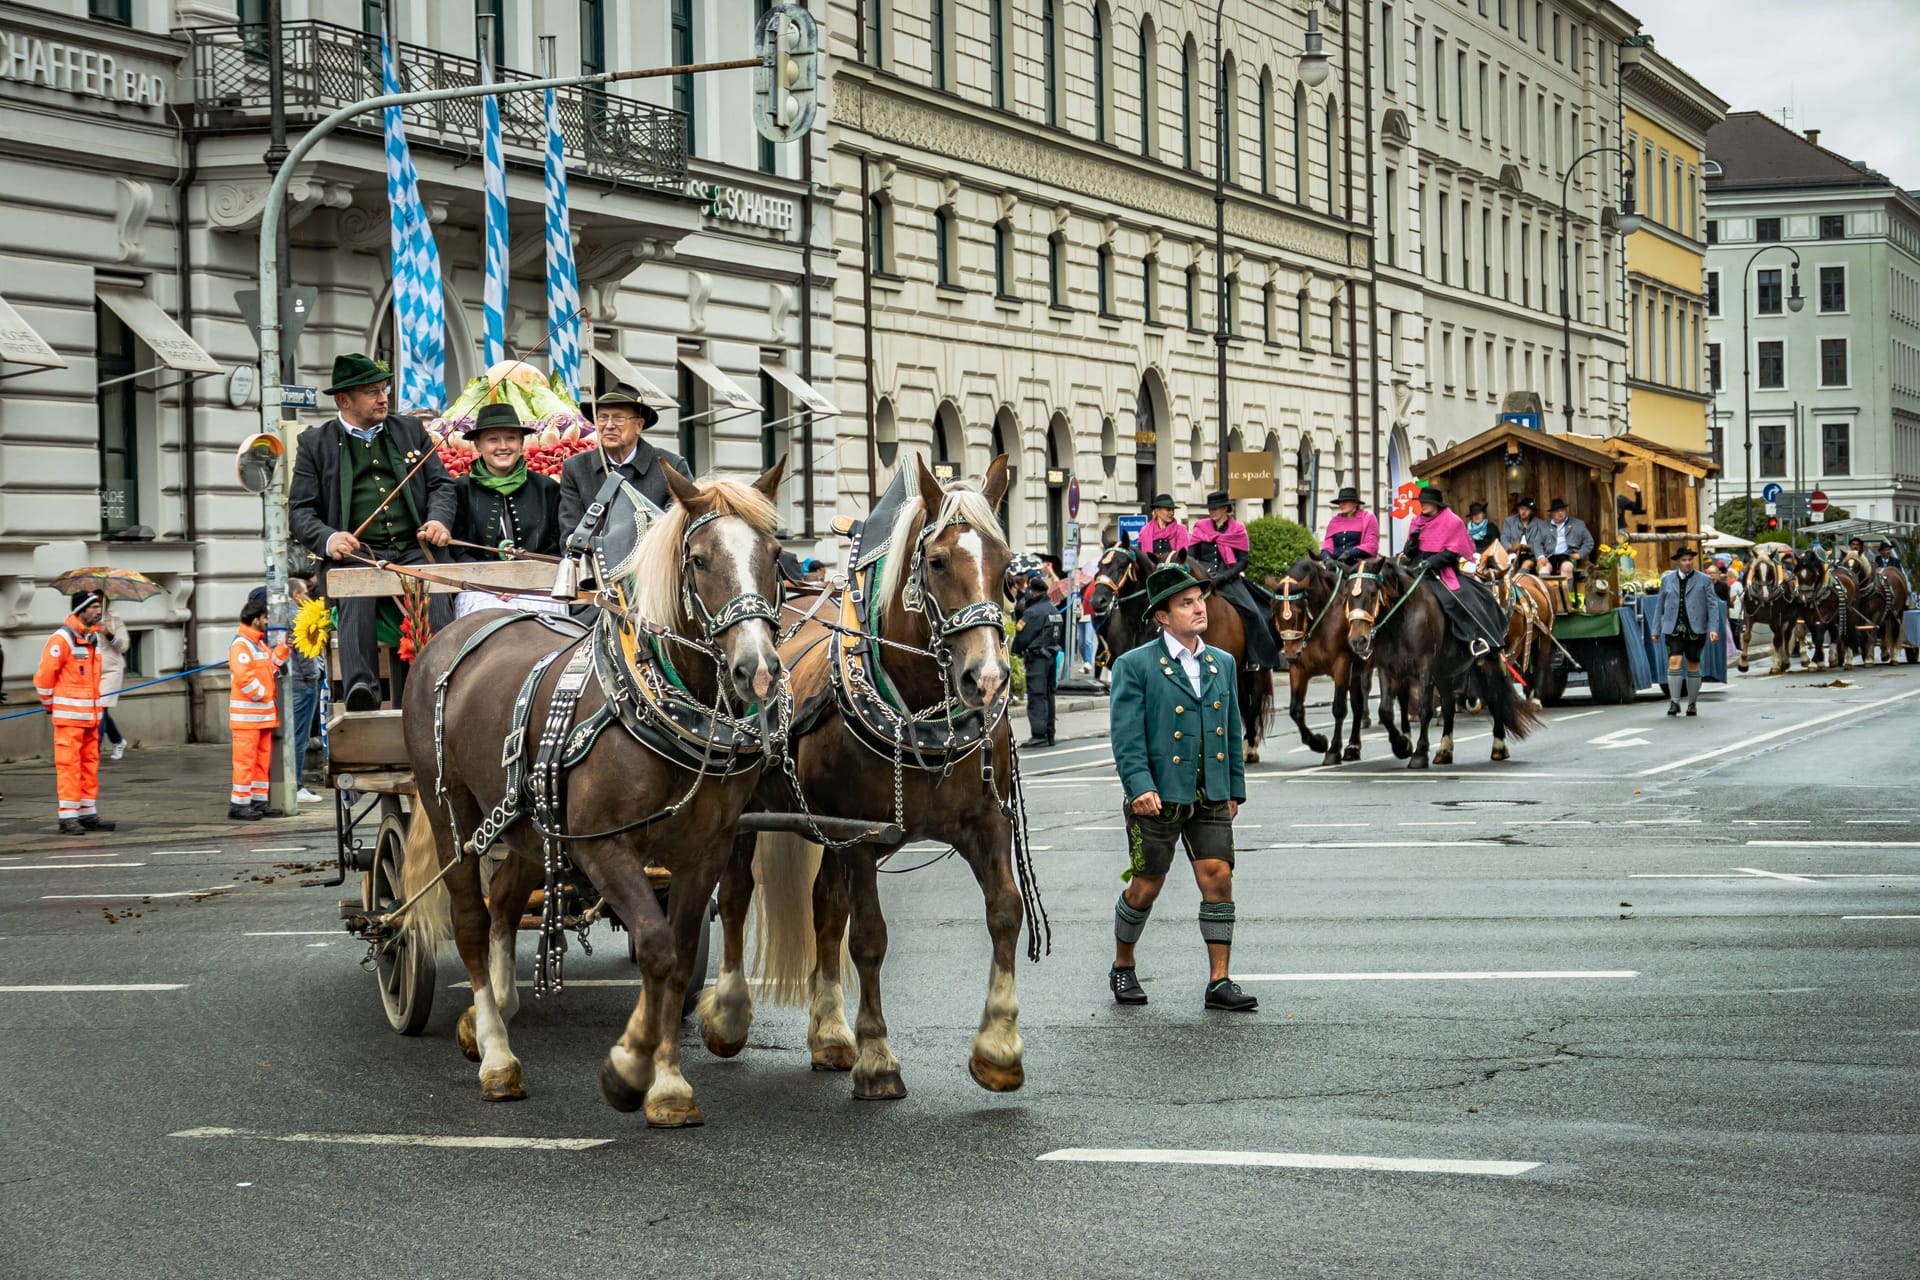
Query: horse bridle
(744,607)
(1113,585)
(917,597)
(1289,597)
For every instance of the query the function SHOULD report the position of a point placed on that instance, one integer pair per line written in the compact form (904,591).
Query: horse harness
(1115,585)
(1294,592)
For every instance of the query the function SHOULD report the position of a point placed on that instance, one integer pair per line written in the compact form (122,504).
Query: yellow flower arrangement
(311,627)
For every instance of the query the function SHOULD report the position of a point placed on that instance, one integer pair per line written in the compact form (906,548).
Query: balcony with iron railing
(608,137)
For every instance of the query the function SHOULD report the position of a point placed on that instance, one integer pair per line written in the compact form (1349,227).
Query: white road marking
(1880,917)
(163,853)
(1065,768)
(1051,752)
(1394,844)
(1463,975)
(99,986)
(1661,822)
(1578,715)
(1770,822)
(1299,825)
(295,933)
(1835,844)
(281,848)
(1099,828)
(1618,738)
(1873,822)
(69,866)
(1742,873)
(1468,822)
(1549,822)
(403,1139)
(1772,875)
(1771,734)
(183,893)
(1288,1160)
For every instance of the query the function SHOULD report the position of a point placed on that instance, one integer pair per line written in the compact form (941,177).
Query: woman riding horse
(688,634)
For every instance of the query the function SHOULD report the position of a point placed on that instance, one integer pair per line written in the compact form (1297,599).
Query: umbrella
(114,584)
(1718,541)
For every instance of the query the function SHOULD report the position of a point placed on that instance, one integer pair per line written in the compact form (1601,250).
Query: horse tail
(429,920)
(784,868)
(1520,715)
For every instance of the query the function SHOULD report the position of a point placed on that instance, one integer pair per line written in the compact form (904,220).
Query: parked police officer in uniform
(1036,643)
(1174,722)
(619,418)
(346,472)
(1683,614)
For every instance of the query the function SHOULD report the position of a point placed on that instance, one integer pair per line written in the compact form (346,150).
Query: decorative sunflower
(311,627)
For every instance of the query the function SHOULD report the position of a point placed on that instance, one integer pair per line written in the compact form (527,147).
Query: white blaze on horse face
(970,547)
(738,544)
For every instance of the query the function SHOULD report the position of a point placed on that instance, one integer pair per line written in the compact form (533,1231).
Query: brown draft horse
(1403,631)
(936,593)
(1529,611)
(1826,598)
(1313,639)
(1772,598)
(1878,612)
(712,552)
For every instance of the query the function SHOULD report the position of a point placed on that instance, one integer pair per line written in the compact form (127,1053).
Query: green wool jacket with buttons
(1162,734)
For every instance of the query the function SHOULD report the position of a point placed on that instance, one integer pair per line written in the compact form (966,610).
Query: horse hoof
(1331,757)
(1351,753)
(886,1086)
(469,1039)
(1401,750)
(678,1112)
(996,1077)
(1253,755)
(834,1057)
(1417,762)
(1443,757)
(620,1095)
(1317,743)
(502,1086)
(721,1048)
(1500,751)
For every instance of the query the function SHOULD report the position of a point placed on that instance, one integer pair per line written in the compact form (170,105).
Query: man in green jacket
(1175,728)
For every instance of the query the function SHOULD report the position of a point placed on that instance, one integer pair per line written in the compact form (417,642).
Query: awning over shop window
(19,344)
(623,370)
(156,328)
(802,390)
(731,393)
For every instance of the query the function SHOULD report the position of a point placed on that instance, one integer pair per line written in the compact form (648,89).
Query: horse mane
(962,502)
(658,568)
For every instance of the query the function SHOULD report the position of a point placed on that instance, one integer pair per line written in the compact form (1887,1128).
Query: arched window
(1150,289)
(1333,147)
(1003,258)
(1263,131)
(1303,317)
(1229,139)
(1049,61)
(997,38)
(937,31)
(946,246)
(880,232)
(1149,90)
(1333,325)
(1189,73)
(1300,145)
(1102,103)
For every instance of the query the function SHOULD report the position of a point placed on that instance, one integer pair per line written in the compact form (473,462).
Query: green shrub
(1274,545)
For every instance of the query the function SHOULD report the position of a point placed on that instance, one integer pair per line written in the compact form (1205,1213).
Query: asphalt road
(1697,1055)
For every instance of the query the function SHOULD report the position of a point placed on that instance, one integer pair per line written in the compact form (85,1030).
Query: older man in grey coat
(1683,614)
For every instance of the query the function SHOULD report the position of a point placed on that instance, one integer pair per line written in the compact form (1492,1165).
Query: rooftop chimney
(1813,136)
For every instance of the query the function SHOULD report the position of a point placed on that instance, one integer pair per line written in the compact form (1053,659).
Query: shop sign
(754,208)
(76,69)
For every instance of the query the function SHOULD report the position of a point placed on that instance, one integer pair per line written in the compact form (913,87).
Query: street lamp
(1629,223)
(1313,71)
(1794,303)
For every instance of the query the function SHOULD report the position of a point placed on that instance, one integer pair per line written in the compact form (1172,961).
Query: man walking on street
(1175,728)
(252,713)
(68,683)
(308,675)
(1683,613)
(1036,645)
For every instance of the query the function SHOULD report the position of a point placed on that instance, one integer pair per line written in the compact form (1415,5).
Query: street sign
(1817,501)
(295,306)
(1792,505)
(784,98)
(1532,421)
(299,397)
(1130,527)
(1073,498)
(1250,475)
(1771,493)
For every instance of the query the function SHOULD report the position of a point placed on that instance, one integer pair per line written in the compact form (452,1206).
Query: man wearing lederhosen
(1683,614)
(1174,722)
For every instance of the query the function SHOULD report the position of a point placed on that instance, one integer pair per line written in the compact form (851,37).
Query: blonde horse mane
(654,587)
(963,503)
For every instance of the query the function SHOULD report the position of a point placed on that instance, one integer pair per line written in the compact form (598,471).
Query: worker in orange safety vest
(68,684)
(252,713)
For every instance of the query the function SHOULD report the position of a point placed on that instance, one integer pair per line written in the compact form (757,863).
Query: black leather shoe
(1673,708)
(1032,743)
(363,697)
(1692,710)
(1126,987)
(243,813)
(1228,995)
(264,810)
(94,822)
(71,827)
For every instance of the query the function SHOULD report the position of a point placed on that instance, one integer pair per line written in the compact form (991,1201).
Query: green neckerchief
(507,485)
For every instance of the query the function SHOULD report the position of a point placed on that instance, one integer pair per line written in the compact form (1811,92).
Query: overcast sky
(1844,66)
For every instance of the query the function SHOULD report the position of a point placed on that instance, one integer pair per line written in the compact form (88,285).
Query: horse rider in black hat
(1437,542)
(361,468)
(619,417)
(1225,561)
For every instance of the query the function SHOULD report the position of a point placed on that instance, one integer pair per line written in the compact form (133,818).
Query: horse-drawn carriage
(1625,489)
(546,773)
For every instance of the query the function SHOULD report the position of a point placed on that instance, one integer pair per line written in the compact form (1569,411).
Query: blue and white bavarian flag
(419,307)
(496,184)
(563,289)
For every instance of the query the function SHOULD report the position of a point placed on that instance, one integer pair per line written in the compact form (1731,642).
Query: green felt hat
(357,370)
(1167,581)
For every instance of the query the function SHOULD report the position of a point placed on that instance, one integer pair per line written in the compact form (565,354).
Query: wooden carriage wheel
(405,969)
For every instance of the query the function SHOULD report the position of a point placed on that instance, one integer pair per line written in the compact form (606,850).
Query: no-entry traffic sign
(1817,500)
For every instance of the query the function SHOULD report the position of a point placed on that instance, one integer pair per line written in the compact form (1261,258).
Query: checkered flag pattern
(496,184)
(419,306)
(563,289)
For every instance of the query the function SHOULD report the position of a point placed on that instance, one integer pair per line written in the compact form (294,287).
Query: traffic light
(1773,522)
(785,83)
